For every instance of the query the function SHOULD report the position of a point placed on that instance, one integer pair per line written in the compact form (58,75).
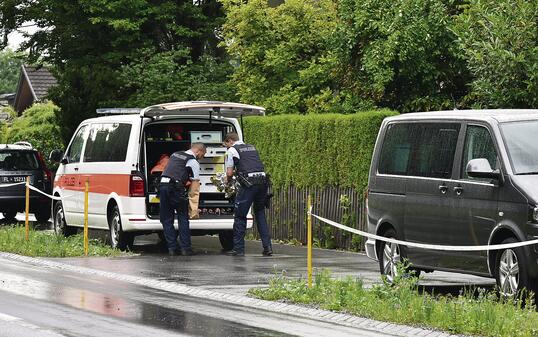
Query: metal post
(86,190)
(309,238)
(27,225)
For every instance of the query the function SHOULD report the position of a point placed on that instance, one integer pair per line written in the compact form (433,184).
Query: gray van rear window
(419,149)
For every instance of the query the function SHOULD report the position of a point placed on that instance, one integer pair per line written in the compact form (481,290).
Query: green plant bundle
(476,312)
(46,244)
(316,150)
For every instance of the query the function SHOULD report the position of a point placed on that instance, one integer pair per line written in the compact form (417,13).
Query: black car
(18,161)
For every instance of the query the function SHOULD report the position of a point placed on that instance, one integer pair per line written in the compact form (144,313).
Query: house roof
(40,79)
(34,84)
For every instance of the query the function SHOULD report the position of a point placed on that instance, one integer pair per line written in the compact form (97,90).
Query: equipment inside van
(122,155)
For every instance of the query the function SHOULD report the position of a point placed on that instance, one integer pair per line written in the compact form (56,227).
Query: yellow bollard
(27,207)
(309,238)
(86,191)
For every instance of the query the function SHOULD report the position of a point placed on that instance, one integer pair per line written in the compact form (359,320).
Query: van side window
(420,149)
(107,142)
(396,149)
(478,144)
(75,150)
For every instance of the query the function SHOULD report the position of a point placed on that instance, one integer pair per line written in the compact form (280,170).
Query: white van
(116,154)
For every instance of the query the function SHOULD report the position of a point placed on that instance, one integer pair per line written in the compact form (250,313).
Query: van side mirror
(480,168)
(56,156)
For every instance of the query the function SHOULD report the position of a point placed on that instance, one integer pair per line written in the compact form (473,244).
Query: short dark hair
(198,145)
(232,136)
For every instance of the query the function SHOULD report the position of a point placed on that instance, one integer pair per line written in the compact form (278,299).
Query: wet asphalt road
(41,302)
(37,301)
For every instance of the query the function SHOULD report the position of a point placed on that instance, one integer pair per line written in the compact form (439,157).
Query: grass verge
(47,244)
(475,312)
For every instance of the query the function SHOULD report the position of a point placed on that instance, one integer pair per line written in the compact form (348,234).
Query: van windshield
(522,147)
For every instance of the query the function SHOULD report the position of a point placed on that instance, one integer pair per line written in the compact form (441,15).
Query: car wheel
(389,257)
(42,215)
(59,223)
(9,215)
(226,239)
(117,238)
(511,271)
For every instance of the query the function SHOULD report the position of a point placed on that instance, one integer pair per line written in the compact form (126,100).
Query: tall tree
(499,41)
(10,68)
(400,54)
(92,43)
(283,53)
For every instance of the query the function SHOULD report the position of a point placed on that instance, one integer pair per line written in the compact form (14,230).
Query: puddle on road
(123,308)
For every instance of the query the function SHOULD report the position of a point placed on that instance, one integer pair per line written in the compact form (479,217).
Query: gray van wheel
(389,257)
(117,238)
(511,271)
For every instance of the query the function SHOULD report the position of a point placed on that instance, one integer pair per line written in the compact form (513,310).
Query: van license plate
(153,199)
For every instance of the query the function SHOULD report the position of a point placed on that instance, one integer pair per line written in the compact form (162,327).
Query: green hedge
(316,150)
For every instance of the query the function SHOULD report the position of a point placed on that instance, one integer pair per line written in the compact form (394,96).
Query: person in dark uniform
(182,168)
(250,173)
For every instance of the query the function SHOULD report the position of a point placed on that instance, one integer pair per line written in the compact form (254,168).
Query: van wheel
(226,239)
(9,215)
(511,271)
(59,223)
(117,238)
(389,257)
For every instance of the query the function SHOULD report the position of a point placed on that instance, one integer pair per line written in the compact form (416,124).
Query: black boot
(267,251)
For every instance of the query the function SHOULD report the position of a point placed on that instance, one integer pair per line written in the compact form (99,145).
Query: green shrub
(37,125)
(499,41)
(316,150)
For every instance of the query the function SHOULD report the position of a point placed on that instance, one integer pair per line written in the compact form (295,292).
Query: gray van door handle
(458,190)
(443,188)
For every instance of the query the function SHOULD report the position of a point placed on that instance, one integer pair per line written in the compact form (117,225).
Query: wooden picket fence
(287,216)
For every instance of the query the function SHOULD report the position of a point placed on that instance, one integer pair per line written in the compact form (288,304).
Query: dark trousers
(246,197)
(174,200)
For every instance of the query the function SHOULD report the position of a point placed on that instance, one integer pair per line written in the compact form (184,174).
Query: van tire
(226,239)
(9,215)
(389,256)
(58,221)
(117,238)
(42,215)
(409,272)
(507,262)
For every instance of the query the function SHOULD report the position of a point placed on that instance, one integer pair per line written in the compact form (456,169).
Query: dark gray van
(460,178)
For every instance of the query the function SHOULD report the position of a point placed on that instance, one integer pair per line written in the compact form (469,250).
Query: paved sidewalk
(212,270)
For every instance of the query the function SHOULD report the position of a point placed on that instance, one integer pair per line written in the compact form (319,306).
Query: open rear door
(203,109)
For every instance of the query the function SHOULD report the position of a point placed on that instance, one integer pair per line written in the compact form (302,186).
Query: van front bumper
(370,249)
(133,223)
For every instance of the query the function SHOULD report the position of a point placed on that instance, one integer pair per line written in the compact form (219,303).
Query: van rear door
(203,109)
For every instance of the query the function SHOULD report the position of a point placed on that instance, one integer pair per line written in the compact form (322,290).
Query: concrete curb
(277,307)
